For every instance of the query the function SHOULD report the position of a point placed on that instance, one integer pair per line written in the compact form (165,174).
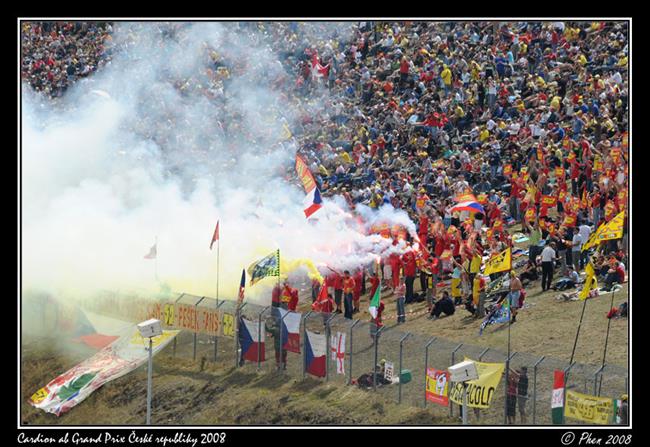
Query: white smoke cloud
(128,157)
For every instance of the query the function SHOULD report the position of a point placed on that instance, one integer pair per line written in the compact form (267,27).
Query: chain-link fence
(527,400)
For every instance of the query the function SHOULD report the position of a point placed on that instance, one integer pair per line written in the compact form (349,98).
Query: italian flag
(557,401)
(374,303)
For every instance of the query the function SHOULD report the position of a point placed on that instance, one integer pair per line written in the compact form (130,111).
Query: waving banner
(119,358)
(305,175)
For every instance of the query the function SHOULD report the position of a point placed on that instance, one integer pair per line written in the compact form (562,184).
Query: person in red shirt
(275,295)
(358,282)
(293,299)
(408,259)
(423,229)
(348,291)
(285,297)
(337,282)
(395,266)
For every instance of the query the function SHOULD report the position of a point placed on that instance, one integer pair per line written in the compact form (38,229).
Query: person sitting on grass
(615,274)
(569,281)
(444,305)
(529,274)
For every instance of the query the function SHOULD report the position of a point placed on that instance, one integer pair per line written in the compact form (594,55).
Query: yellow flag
(345,156)
(499,263)
(590,282)
(607,231)
(286,134)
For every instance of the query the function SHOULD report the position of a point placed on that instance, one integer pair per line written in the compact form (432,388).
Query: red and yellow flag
(549,201)
(507,170)
(530,215)
(569,220)
(305,174)
(559,172)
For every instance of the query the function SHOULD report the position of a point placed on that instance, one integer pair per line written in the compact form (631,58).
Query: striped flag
(557,399)
(313,202)
(242,285)
(215,236)
(374,303)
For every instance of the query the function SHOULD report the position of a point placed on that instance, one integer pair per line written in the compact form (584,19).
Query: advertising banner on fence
(186,317)
(119,358)
(480,391)
(437,386)
(228,325)
(596,410)
(208,320)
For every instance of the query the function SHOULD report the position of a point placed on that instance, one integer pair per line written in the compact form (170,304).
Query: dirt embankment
(185,395)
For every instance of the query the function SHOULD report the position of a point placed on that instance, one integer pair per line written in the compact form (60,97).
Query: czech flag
(251,341)
(313,202)
(472,207)
(290,329)
(316,351)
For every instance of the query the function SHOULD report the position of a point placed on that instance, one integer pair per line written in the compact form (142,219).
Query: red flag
(215,236)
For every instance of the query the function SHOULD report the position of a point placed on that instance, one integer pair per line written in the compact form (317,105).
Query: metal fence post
(237,317)
(453,358)
(566,377)
(350,364)
(399,388)
(426,367)
(304,350)
(480,356)
(596,387)
(507,380)
(259,335)
(327,336)
(195,331)
(374,366)
(216,337)
(535,365)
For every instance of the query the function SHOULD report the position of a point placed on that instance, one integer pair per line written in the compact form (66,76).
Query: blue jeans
(347,304)
(401,313)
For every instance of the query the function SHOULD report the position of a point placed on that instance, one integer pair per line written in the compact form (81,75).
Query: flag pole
(609,322)
(156,260)
(507,371)
(218,245)
(575,343)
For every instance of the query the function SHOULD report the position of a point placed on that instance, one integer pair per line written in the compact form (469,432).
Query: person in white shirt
(585,232)
(576,245)
(548,257)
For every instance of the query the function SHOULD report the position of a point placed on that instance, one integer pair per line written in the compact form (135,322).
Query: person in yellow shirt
(555,103)
(484,135)
(446,78)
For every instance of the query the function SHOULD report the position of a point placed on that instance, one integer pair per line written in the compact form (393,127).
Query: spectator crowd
(529,120)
